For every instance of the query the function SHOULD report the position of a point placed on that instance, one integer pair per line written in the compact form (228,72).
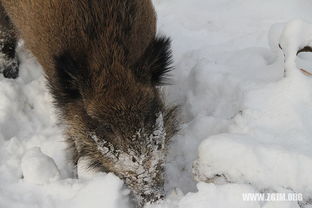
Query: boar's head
(115,115)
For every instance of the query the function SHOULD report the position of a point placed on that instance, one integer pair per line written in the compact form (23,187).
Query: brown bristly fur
(104,65)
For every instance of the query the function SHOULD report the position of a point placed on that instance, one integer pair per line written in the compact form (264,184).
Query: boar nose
(153,197)
(150,198)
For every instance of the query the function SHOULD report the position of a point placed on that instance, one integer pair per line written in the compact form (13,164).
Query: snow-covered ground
(246,115)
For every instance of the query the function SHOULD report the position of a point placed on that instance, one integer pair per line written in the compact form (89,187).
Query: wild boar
(104,65)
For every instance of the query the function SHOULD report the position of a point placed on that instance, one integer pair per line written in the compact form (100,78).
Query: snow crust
(245,110)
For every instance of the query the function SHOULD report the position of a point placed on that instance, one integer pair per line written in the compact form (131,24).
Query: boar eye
(108,128)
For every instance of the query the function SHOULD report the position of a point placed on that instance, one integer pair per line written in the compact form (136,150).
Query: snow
(269,143)
(94,195)
(38,168)
(83,170)
(245,115)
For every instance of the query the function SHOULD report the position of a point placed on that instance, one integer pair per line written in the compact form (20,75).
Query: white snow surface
(246,115)
(38,168)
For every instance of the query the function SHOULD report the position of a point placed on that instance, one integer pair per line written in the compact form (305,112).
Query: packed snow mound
(102,191)
(245,115)
(269,144)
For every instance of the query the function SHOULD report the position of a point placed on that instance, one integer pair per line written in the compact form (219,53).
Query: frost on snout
(141,164)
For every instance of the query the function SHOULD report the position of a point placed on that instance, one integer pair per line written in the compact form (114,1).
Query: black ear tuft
(65,83)
(156,62)
(161,60)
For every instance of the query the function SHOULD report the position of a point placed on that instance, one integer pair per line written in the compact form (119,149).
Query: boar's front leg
(8,42)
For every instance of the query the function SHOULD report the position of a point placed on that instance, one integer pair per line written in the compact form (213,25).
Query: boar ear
(156,62)
(65,84)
